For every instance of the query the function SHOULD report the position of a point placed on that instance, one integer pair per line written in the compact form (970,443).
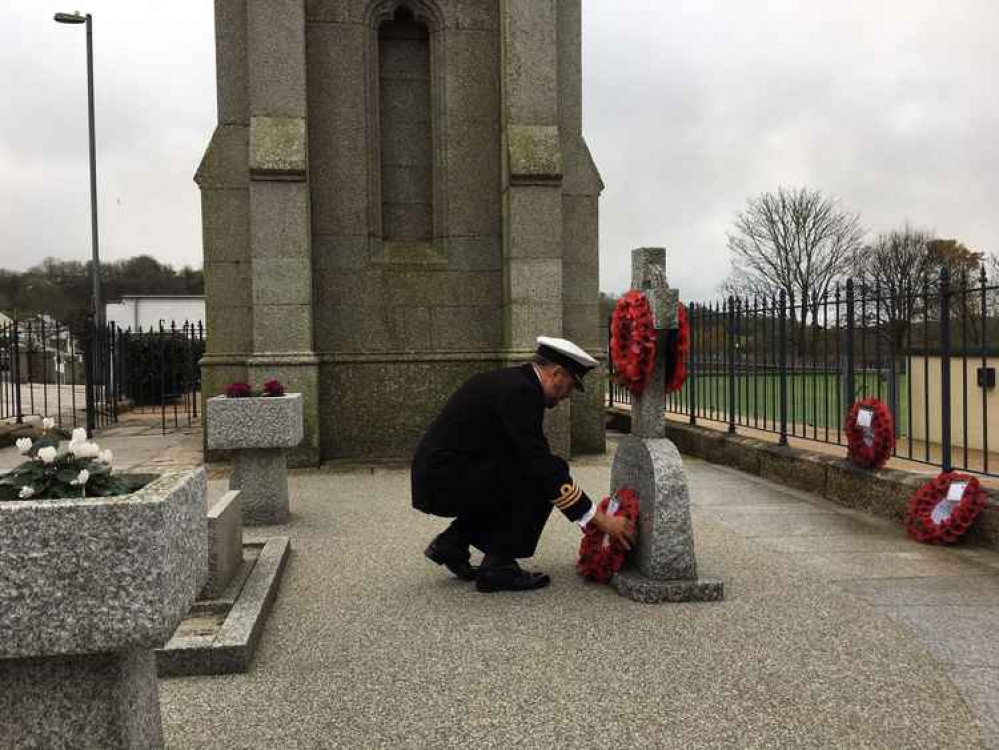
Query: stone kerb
(255,422)
(225,543)
(101,574)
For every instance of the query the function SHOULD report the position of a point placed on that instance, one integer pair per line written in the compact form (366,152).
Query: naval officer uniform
(485,462)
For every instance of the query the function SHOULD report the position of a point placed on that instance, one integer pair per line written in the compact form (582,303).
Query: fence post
(691,378)
(730,353)
(88,373)
(945,459)
(16,370)
(850,364)
(782,335)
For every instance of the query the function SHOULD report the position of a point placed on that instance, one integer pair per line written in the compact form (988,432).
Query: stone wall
(313,270)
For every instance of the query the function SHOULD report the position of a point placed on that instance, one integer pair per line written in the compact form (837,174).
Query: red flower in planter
(599,558)
(273,388)
(238,390)
(870,447)
(950,523)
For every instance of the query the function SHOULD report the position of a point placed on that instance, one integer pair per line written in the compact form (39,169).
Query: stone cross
(648,275)
(662,567)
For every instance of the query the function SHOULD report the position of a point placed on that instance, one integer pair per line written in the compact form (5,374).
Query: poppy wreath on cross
(633,341)
(943,509)
(599,557)
(678,350)
(870,439)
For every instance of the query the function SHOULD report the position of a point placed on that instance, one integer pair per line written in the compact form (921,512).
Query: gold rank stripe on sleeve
(569,494)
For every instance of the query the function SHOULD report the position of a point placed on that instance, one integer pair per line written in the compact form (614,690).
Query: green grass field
(812,399)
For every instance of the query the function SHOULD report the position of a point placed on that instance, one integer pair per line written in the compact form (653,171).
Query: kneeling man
(486,463)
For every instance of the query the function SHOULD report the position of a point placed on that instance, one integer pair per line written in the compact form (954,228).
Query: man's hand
(618,528)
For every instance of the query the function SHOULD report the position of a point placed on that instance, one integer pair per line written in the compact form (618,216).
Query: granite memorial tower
(397,195)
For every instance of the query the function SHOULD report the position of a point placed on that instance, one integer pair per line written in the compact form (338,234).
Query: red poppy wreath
(633,341)
(676,365)
(870,434)
(942,509)
(599,557)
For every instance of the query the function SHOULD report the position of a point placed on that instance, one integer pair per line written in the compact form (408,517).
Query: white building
(150,310)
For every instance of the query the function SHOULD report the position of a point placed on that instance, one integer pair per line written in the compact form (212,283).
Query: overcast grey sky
(689,109)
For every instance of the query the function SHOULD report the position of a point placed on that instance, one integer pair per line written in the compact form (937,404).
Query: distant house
(147,311)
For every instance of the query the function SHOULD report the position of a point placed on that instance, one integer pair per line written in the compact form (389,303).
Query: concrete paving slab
(980,687)
(810,521)
(966,590)
(370,645)
(835,566)
(956,635)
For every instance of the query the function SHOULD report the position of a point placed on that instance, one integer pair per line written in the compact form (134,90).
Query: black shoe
(451,558)
(509,578)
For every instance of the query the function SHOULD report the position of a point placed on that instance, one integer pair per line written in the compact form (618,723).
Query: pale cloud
(689,109)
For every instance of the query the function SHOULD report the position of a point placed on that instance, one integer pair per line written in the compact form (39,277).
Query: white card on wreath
(942,510)
(613,505)
(865,417)
(956,491)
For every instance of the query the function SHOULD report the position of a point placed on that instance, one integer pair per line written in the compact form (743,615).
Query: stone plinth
(225,543)
(88,588)
(662,567)
(258,430)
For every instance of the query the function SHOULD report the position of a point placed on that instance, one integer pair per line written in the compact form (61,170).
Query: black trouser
(494,507)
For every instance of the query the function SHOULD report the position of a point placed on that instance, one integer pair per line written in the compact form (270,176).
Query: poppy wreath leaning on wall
(599,557)
(679,350)
(933,519)
(870,448)
(633,341)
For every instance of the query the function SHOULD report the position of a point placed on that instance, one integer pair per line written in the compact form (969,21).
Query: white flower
(48,423)
(23,444)
(79,436)
(106,457)
(85,449)
(47,454)
(81,478)
(26,492)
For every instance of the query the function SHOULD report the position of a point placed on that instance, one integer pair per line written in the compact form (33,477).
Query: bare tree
(795,240)
(896,265)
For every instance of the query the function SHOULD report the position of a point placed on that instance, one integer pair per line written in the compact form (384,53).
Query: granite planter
(88,589)
(258,430)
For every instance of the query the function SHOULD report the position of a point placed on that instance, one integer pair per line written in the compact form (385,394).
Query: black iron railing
(794,368)
(86,377)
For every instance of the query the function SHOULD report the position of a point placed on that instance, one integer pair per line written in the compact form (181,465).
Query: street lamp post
(95,265)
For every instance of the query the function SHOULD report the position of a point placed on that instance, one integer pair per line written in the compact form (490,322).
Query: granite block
(634,585)
(528,32)
(277,148)
(665,545)
(255,422)
(229,284)
(473,178)
(261,476)
(225,543)
(472,75)
(101,574)
(229,329)
(339,153)
(464,328)
(279,225)
(533,154)
(281,281)
(105,700)
(793,467)
(534,280)
(225,224)
(224,164)
(282,328)
(275,32)
(230,61)
(534,222)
